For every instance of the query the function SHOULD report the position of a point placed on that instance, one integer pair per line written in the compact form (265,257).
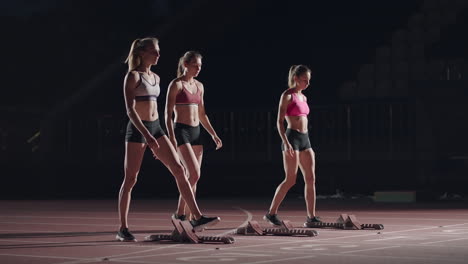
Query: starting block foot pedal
(290,232)
(354,224)
(345,221)
(286,224)
(217,239)
(254,228)
(183,232)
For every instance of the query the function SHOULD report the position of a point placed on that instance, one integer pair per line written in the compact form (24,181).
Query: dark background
(388,92)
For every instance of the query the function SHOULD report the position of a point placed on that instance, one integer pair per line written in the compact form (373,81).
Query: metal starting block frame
(254,228)
(347,222)
(184,233)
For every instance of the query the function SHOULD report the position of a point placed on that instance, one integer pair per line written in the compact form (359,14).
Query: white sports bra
(146,91)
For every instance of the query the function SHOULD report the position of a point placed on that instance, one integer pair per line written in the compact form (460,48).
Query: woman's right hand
(174,142)
(289,149)
(153,145)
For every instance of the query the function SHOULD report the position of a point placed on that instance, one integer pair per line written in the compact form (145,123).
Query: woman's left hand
(218,142)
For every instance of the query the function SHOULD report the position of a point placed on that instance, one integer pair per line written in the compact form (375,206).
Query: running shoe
(311,220)
(203,222)
(179,217)
(272,219)
(125,236)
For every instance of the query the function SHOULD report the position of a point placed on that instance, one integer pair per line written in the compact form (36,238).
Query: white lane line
(443,241)
(169,254)
(400,225)
(384,257)
(144,262)
(110,243)
(84,260)
(419,229)
(249,218)
(431,259)
(345,243)
(384,239)
(37,256)
(369,249)
(293,242)
(354,236)
(283,260)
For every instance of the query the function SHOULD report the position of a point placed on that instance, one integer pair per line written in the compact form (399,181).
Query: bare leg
(191,157)
(307,165)
(133,157)
(290,169)
(168,156)
(198,150)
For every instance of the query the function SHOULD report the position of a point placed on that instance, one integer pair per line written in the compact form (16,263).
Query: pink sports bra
(186,97)
(297,107)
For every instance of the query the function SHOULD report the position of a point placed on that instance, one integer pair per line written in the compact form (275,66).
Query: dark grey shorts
(299,141)
(187,134)
(133,135)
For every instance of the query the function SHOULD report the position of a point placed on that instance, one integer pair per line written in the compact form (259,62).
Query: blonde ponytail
(134,58)
(188,57)
(296,70)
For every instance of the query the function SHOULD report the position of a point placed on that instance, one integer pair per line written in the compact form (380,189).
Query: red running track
(72,232)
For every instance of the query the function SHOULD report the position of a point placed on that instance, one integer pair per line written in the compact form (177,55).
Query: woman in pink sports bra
(141,89)
(185,101)
(297,152)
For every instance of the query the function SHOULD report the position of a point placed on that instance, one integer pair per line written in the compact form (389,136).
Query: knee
(194,176)
(129,181)
(310,181)
(178,171)
(289,183)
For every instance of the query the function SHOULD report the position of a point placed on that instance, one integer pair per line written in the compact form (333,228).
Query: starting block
(254,228)
(348,222)
(183,232)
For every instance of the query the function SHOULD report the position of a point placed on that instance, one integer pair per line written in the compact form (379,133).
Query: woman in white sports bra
(141,89)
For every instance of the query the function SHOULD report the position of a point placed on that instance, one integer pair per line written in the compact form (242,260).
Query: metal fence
(355,131)
(382,130)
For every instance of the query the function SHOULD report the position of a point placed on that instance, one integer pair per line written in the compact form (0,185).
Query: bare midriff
(147,110)
(298,123)
(186,114)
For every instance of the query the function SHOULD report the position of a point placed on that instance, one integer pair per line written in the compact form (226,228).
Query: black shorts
(133,135)
(187,134)
(299,141)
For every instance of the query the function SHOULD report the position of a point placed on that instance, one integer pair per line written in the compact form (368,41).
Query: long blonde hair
(296,70)
(134,58)
(188,57)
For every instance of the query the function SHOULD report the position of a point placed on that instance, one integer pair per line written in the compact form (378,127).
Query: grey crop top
(146,91)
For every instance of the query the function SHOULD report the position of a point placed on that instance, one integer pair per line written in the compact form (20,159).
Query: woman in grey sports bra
(141,89)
